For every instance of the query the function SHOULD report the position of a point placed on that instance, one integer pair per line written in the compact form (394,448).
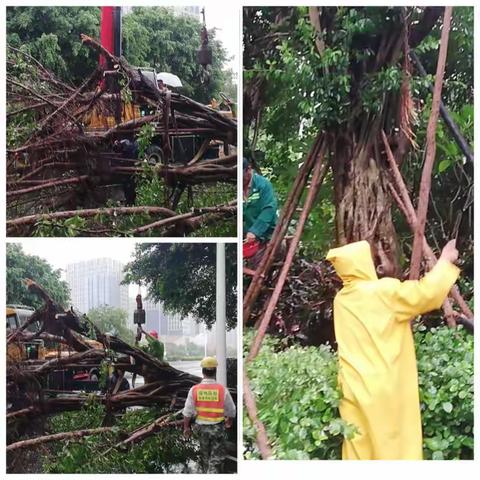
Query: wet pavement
(188,366)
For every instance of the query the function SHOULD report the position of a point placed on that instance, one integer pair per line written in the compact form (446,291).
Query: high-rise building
(231,339)
(97,282)
(190,327)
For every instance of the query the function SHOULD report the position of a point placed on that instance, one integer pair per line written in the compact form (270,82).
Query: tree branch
(430,150)
(77,435)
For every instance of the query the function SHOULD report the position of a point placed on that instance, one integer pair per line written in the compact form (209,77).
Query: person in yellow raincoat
(377,364)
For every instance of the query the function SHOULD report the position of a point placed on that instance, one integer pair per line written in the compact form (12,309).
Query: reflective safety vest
(209,399)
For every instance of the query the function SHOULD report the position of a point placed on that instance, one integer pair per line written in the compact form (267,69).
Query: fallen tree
(88,347)
(34,442)
(69,142)
(24,225)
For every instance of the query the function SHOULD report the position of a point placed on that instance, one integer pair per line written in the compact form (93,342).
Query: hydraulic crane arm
(111,31)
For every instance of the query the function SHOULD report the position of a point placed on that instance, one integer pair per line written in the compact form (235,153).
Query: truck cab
(20,351)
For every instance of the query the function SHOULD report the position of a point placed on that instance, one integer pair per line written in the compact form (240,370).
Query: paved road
(189,366)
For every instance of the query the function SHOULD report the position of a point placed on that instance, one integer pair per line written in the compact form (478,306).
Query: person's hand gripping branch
(450,252)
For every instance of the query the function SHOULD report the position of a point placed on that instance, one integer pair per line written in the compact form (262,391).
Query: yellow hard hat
(209,362)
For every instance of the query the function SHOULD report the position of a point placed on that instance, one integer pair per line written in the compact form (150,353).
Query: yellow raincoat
(378,370)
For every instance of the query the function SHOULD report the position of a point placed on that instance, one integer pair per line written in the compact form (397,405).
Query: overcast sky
(226,18)
(60,252)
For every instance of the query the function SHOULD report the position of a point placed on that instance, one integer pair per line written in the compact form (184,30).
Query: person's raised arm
(415,297)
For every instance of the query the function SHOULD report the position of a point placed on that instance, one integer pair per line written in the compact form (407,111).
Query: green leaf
(447,406)
(443,165)
(438,455)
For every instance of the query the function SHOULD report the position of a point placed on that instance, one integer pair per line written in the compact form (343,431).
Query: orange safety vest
(209,400)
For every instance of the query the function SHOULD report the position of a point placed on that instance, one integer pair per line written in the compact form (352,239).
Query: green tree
(182,276)
(52,36)
(156,37)
(112,319)
(230,84)
(152,37)
(21,266)
(346,81)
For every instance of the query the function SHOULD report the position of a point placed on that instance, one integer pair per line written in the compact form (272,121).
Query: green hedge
(445,368)
(297,397)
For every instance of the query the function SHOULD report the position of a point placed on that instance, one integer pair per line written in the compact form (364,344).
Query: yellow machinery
(225,106)
(98,120)
(18,351)
(35,350)
(61,350)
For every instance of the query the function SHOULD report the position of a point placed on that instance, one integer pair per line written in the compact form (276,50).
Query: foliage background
(112,320)
(297,397)
(152,37)
(21,266)
(182,276)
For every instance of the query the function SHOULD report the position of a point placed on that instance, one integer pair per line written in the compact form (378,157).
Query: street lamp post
(221,311)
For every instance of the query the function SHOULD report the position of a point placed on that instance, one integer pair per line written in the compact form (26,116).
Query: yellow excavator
(37,350)
(22,350)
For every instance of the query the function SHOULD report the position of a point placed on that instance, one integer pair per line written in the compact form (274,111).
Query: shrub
(297,397)
(445,369)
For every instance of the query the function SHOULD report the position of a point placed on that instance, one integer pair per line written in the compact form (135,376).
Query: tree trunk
(362,201)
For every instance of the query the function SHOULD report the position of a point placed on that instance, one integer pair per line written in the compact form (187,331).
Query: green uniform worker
(259,206)
(154,346)
(378,370)
(211,404)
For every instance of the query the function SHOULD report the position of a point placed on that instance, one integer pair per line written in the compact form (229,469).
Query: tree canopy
(155,37)
(112,320)
(182,276)
(345,81)
(152,37)
(52,36)
(21,266)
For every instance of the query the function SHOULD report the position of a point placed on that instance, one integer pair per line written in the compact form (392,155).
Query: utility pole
(220,324)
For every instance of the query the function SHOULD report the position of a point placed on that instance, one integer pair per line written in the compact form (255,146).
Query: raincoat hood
(353,262)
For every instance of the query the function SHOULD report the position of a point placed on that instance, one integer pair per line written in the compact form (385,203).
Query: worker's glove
(228,422)
(187,433)
(250,237)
